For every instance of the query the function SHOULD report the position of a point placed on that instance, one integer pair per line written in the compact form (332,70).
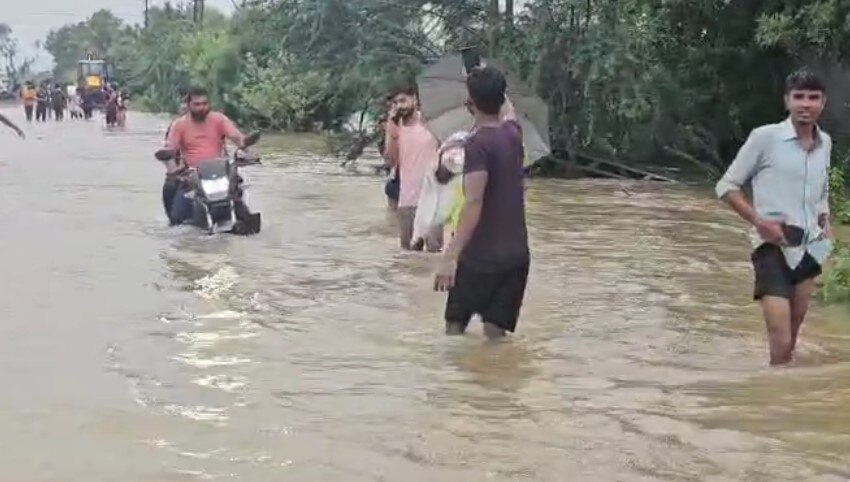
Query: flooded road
(314,351)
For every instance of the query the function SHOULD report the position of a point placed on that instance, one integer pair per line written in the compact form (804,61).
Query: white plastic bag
(437,200)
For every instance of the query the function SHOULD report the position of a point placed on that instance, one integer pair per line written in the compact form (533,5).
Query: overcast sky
(32,19)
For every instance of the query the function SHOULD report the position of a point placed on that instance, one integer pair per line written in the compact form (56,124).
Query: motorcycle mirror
(165,154)
(252,139)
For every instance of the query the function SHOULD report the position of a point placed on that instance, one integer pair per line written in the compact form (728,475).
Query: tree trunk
(509,13)
(494,26)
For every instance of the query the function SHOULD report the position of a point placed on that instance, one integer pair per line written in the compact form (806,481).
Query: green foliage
(211,58)
(278,97)
(839,204)
(15,68)
(835,286)
(803,27)
(644,81)
(98,35)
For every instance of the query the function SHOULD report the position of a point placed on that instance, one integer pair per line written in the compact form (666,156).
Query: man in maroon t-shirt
(485,267)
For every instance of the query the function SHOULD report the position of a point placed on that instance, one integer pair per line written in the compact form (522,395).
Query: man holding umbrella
(485,266)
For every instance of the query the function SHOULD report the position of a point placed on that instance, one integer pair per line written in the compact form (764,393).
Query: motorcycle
(217,191)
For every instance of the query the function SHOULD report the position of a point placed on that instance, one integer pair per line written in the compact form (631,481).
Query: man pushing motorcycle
(197,136)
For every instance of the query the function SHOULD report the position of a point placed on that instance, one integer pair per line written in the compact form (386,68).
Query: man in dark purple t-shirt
(485,266)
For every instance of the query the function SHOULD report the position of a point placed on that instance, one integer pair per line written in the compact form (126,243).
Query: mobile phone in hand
(793,234)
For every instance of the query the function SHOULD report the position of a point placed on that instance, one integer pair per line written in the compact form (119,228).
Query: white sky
(31,20)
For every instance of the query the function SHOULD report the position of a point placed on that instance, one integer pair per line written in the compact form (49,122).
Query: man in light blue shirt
(788,166)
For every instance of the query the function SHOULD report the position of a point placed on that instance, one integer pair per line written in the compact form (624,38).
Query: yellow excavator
(92,76)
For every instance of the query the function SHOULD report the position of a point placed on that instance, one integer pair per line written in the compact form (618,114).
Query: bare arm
(507,112)
(391,140)
(739,203)
(823,205)
(233,133)
(475,179)
(173,141)
(474,185)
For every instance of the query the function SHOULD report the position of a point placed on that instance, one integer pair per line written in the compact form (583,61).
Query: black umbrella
(442,92)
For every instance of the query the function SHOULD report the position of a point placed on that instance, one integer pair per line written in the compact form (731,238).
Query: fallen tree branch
(708,168)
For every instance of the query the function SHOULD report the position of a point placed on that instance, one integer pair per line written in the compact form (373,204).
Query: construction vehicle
(92,76)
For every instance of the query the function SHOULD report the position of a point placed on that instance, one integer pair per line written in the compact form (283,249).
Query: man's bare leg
(493,332)
(454,328)
(777,317)
(406,216)
(799,308)
(434,240)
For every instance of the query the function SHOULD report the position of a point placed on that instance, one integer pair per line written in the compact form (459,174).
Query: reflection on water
(315,352)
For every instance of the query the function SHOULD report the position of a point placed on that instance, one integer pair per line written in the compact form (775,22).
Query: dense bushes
(678,82)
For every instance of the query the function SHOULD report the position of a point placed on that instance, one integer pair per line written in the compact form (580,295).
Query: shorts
(433,242)
(773,276)
(392,188)
(496,296)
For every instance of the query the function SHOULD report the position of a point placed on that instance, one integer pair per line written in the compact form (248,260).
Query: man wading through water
(787,164)
(485,266)
(29,96)
(412,150)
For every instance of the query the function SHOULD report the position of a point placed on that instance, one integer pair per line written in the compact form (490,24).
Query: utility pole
(147,13)
(198,11)
(494,26)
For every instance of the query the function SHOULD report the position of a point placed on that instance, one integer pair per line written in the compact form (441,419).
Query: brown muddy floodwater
(314,351)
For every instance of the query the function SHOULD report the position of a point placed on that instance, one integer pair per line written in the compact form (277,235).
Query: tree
(646,82)
(15,69)
(95,36)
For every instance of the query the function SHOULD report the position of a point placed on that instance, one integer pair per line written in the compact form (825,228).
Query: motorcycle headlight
(216,189)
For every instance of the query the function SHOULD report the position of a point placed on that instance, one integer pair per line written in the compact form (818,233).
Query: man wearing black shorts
(485,266)
(788,166)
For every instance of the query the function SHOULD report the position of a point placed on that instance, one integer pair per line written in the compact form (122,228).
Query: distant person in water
(29,98)
(123,106)
(75,106)
(788,166)
(86,102)
(412,150)
(60,102)
(485,266)
(42,103)
(111,107)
